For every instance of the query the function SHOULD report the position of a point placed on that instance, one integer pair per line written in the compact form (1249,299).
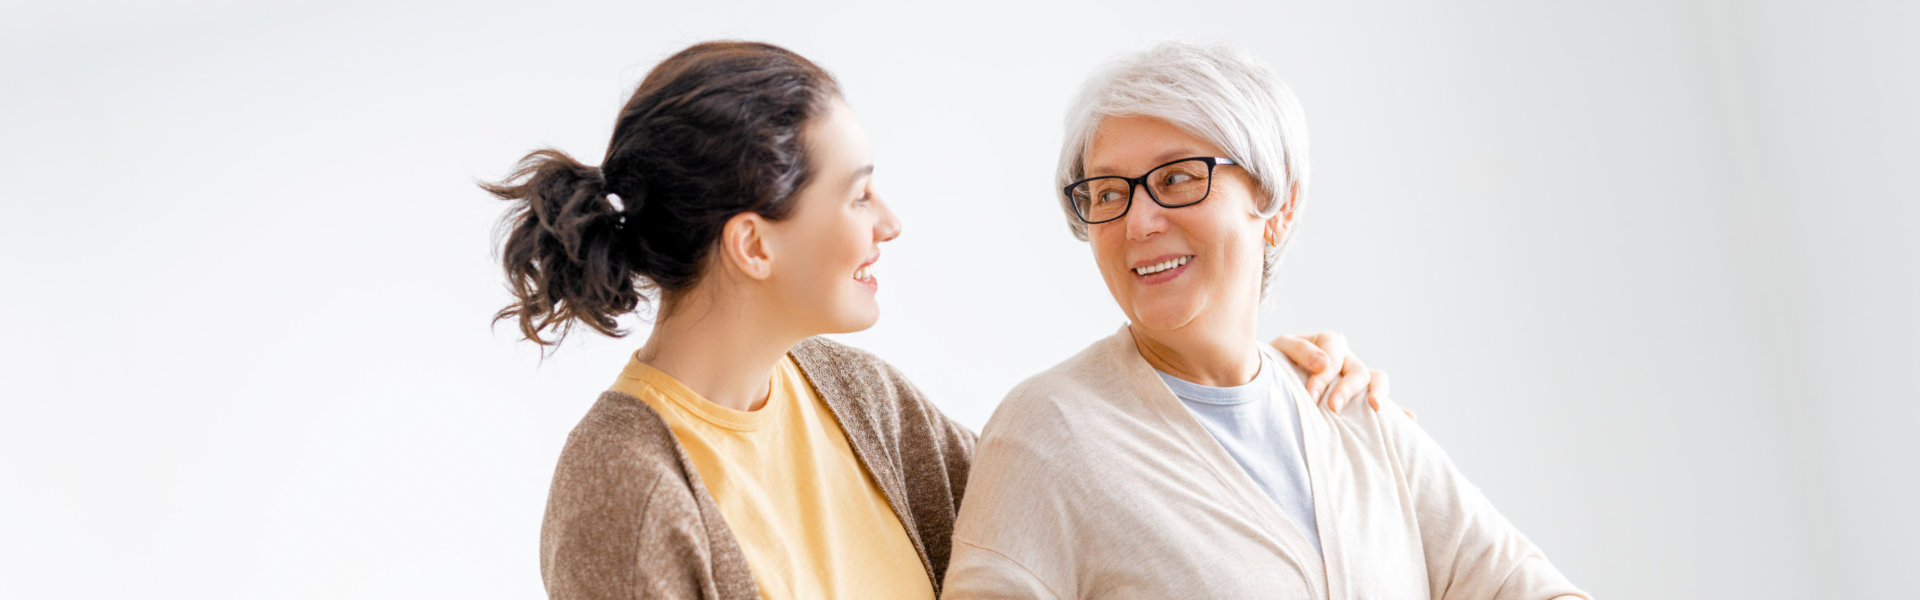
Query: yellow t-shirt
(811,521)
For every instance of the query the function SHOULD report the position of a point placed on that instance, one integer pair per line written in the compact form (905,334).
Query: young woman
(737,455)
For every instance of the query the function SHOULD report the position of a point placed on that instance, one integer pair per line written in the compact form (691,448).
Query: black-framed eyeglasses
(1184,182)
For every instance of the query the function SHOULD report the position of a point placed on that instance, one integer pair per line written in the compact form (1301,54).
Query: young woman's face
(1204,259)
(825,250)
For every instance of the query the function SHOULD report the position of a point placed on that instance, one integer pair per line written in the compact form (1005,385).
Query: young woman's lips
(864,274)
(1169,267)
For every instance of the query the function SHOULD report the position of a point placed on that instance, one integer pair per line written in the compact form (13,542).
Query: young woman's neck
(1205,353)
(720,346)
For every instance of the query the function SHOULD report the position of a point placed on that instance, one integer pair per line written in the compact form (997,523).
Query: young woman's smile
(864,275)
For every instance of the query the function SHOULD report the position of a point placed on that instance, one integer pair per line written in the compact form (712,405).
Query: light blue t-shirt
(1260,429)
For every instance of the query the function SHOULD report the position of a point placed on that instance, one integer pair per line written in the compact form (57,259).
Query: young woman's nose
(888,227)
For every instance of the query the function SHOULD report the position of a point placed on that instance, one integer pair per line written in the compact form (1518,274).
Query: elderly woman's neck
(1212,360)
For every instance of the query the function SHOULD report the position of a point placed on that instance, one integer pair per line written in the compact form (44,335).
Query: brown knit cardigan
(628,516)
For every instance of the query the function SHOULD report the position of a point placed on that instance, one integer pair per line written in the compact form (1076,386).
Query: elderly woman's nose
(1145,217)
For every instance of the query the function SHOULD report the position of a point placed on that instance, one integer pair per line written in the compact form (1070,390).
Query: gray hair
(1219,93)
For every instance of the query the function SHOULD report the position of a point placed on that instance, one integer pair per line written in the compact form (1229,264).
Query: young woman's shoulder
(619,452)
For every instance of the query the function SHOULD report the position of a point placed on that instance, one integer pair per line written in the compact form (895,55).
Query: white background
(1643,267)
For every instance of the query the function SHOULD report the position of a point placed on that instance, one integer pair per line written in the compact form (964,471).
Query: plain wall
(1640,267)
(1827,99)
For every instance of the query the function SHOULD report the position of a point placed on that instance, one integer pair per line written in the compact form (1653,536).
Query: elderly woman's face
(1214,249)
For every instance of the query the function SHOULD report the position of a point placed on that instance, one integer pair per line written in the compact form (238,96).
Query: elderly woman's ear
(1281,223)
(1312,353)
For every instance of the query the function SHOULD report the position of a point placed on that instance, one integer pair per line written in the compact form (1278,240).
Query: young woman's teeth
(1156,268)
(864,273)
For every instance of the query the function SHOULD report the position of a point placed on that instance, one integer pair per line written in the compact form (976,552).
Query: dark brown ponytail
(562,253)
(713,131)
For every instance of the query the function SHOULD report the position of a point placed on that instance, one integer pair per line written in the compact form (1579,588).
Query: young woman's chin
(856,324)
(850,314)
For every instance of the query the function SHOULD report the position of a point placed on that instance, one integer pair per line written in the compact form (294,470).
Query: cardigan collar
(1287,538)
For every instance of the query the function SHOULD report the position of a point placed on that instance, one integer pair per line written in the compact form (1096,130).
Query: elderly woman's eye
(1105,197)
(1176,178)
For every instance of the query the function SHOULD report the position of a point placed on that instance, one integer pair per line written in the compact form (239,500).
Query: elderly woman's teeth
(1156,268)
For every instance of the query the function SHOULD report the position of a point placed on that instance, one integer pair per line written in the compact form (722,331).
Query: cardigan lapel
(1286,538)
(1316,438)
(840,390)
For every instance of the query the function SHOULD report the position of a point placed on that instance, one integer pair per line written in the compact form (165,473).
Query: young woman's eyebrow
(857,175)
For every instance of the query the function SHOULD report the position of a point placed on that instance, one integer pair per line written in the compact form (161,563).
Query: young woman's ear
(745,247)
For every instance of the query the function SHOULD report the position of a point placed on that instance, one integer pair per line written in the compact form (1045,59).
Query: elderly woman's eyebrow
(1158,159)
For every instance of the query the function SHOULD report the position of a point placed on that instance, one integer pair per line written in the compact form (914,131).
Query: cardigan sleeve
(1015,537)
(1471,550)
(981,573)
(622,554)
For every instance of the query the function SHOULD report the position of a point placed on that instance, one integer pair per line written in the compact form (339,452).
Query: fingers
(1334,345)
(1353,380)
(1301,352)
(1410,414)
(1376,388)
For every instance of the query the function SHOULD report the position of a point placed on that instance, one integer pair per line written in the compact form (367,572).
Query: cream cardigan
(1093,481)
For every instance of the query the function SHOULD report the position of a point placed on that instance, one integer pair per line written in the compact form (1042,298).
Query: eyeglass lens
(1174,185)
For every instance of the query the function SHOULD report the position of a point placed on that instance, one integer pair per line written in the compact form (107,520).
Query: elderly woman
(1180,457)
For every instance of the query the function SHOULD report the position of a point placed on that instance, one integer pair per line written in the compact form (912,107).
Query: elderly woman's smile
(1159,271)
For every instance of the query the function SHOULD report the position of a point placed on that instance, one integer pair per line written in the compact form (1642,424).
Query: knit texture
(1093,480)
(628,516)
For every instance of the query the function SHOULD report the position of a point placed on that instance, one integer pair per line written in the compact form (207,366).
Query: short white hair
(1219,93)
